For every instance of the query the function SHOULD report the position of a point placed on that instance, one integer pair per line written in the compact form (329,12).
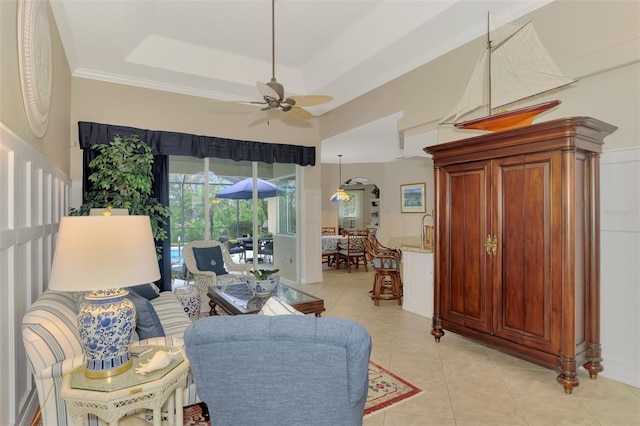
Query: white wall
(33,197)
(620,271)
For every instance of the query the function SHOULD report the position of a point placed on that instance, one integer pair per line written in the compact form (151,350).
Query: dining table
(330,242)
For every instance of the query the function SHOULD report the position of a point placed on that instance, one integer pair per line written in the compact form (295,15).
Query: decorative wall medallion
(35,62)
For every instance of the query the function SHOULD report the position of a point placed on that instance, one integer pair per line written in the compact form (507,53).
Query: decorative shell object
(159,360)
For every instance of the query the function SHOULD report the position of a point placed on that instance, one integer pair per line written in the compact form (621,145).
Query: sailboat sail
(515,66)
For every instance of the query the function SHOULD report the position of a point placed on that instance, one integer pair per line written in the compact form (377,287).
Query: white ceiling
(220,49)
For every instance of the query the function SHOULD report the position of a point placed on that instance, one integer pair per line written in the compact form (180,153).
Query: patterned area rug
(196,415)
(385,389)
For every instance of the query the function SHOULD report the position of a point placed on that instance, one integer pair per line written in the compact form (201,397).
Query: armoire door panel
(524,286)
(467,301)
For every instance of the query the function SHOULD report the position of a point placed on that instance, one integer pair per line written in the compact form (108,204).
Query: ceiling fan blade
(250,103)
(310,100)
(267,91)
(256,115)
(296,112)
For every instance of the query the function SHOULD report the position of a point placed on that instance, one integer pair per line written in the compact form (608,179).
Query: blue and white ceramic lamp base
(106,325)
(189,296)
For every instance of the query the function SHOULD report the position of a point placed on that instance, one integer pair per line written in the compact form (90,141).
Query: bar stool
(387,282)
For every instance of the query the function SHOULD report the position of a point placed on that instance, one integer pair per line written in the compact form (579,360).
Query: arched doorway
(362,211)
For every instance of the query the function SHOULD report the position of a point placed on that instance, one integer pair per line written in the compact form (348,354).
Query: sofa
(52,343)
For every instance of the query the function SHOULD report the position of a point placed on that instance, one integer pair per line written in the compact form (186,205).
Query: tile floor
(466,383)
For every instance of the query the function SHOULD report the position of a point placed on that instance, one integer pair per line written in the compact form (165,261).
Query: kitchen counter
(414,249)
(417,278)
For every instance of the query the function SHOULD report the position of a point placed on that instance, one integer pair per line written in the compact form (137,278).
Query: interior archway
(362,211)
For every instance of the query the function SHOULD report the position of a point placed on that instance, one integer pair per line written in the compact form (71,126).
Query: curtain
(160,190)
(165,143)
(173,143)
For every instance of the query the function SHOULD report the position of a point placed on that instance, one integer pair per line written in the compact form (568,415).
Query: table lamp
(100,255)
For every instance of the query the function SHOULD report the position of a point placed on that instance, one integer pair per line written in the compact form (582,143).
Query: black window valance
(174,143)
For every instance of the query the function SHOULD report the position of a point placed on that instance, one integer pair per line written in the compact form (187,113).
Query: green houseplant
(263,274)
(122,177)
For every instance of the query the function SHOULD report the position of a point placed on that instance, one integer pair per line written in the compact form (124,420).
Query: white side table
(111,398)
(189,296)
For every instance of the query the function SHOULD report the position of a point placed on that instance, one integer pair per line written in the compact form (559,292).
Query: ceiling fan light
(340,195)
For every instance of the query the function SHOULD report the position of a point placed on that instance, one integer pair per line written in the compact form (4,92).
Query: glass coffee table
(238,299)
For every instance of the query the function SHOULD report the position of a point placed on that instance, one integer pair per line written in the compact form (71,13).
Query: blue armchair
(280,370)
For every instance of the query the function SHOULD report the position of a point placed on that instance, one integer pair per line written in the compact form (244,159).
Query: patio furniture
(236,247)
(266,250)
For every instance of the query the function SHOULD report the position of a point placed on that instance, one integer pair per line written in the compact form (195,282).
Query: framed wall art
(413,198)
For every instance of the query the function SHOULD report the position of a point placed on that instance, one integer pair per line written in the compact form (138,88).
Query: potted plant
(263,281)
(122,177)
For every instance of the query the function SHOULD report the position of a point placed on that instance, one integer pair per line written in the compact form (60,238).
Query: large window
(286,204)
(197,214)
(350,212)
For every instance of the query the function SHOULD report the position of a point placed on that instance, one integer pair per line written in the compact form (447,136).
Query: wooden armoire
(517,244)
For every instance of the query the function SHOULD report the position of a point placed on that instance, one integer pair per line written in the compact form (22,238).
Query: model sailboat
(515,66)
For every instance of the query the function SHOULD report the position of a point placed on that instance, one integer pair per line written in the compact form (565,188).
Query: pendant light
(340,195)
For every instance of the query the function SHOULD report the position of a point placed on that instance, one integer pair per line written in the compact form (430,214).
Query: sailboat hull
(508,119)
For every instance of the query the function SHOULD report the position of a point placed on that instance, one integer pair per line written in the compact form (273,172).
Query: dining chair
(352,252)
(329,256)
(328,230)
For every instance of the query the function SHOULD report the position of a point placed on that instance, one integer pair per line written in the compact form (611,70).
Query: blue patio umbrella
(243,190)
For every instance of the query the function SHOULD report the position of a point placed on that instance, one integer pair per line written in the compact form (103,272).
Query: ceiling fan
(273,92)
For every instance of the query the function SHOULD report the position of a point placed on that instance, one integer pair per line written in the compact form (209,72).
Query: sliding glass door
(197,213)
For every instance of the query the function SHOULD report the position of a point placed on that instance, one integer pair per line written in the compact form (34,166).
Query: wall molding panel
(34,195)
(619,254)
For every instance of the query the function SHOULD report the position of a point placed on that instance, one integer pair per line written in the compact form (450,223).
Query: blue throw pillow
(210,259)
(147,324)
(145,290)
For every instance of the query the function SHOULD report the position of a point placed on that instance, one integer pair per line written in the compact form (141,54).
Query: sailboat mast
(273,40)
(489,62)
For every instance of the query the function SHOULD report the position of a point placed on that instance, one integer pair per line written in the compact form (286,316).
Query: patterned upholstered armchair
(211,264)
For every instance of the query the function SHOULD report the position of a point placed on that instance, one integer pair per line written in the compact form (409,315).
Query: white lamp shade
(103,252)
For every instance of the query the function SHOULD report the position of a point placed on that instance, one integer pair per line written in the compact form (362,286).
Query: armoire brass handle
(491,245)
